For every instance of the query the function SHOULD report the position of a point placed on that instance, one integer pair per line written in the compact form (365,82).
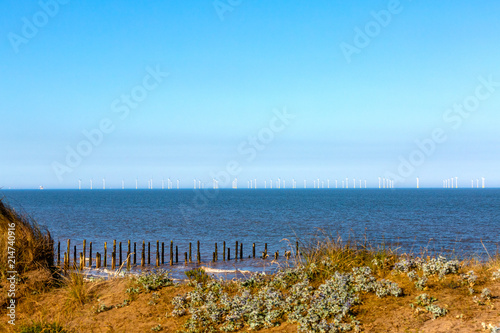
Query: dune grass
(32,244)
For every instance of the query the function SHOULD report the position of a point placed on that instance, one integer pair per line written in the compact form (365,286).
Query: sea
(456,223)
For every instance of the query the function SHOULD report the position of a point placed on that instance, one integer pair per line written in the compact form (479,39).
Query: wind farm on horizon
(345,183)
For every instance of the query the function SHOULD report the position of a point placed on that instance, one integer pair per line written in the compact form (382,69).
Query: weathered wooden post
(82,261)
(114,246)
(97,260)
(176,254)
(105,254)
(297,248)
(90,255)
(143,256)
(113,260)
(74,258)
(265,248)
(162,253)
(241,251)
(253,250)
(236,251)
(185,258)
(69,252)
(216,254)
(135,254)
(190,257)
(228,253)
(84,251)
(129,251)
(120,256)
(149,253)
(224,251)
(157,253)
(65,261)
(198,256)
(171,253)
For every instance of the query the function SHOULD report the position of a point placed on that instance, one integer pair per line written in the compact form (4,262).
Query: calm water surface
(442,220)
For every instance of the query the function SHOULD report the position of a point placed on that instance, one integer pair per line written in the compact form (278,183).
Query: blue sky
(232,66)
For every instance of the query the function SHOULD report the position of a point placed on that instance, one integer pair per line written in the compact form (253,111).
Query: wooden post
(228,253)
(84,251)
(74,258)
(143,254)
(185,258)
(65,261)
(90,255)
(253,250)
(149,253)
(69,252)
(114,246)
(216,254)
(129,260)
(171,253)
(105,254)
(157,253)
(236,251)
(113,260)
(297,248)
(97,260)
(82,261)
(143,257)
(162,253)
(58,253)
(224,251)
(135,254)
(198,257)
(190,257)
(129,251)
(241,251)
(213,256)
(120,256)
(176,254)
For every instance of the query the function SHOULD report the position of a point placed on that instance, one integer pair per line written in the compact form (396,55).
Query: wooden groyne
(86,259)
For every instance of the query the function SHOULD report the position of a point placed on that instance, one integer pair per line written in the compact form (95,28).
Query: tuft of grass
(32,244)
(329,254)
(42,327)
(198,275)
(78,292)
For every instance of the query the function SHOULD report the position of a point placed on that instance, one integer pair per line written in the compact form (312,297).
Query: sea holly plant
(286,296)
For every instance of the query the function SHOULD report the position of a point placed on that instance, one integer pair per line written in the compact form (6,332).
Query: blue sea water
(449,221)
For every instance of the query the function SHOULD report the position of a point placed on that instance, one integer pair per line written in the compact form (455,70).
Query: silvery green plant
(496,275)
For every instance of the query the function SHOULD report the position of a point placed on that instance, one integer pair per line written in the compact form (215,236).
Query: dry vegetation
(367,289)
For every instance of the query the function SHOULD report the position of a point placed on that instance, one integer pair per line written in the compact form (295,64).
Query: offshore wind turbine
(90,183)
(365,183)
(136,180)
(79,184)
(354,182)
(104,183)
(328,181)
(378,182)
(123,184)
(305,183)
(482,179)
(336,183)
(456,182)
(418,183)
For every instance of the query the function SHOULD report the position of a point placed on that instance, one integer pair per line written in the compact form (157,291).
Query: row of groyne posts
(145,260)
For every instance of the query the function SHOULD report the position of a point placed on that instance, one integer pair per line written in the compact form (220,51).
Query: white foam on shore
(224,271)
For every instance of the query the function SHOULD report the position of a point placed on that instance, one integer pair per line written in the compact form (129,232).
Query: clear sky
(290,89)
